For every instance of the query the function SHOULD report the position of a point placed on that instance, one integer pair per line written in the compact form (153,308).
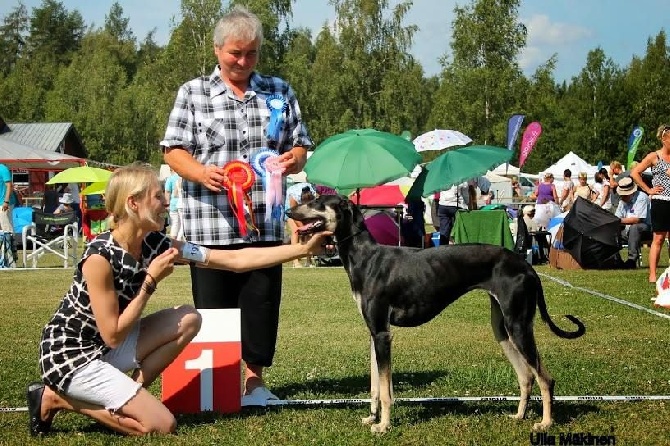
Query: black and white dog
(408,287)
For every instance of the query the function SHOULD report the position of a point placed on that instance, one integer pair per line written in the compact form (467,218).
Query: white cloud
(541,31)
(546,38)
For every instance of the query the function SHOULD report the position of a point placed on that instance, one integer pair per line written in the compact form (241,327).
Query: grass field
(322,353)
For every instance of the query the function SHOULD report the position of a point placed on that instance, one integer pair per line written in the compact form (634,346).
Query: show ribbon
(238,177)
(266,164)
(278,106)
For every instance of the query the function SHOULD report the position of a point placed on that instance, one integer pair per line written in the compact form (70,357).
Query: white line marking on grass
(453,399)
(605,296)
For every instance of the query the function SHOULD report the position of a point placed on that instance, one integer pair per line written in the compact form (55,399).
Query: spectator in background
(633,211)
(616,169)
(528,218)
(65,204)
(583,189)
(73,190)
(173,194)
(6,195)
(659,161)
(601,190)
(567,192)
(546,190)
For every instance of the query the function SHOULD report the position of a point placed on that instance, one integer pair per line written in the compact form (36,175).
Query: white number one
(204,363)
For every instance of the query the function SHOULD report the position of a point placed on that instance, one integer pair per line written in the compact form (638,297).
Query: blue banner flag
(633,141)
(513,126)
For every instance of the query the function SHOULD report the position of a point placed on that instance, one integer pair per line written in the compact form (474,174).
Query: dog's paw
(369,420)
(380,428)
(542,426)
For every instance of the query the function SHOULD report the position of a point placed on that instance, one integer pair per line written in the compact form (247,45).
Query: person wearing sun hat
(65,203)
(633,212)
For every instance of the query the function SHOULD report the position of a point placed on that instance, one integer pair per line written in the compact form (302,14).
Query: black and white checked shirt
(216,127)
(71,339)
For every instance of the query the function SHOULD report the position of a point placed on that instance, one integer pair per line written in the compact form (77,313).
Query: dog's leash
(605,296)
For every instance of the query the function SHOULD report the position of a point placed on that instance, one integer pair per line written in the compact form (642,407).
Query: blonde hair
(133,180)
(616,165)
(661,130)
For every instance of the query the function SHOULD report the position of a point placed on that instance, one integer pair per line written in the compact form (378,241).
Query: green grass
(322,352)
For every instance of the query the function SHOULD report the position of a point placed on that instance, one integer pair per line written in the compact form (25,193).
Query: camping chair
(7,250)
(54,233)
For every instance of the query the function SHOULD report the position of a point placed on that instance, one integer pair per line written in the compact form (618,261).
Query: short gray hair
(239,23)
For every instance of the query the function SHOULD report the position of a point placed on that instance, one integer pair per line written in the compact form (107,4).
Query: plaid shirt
(216,127)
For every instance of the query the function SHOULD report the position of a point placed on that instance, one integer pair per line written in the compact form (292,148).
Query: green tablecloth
(490,226)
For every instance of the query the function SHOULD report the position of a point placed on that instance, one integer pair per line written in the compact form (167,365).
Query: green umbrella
(83,174)
(95,188)
(361,158)
(455,166)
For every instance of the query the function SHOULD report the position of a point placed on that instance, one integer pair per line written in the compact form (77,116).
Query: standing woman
(602,196)
(567,192)
(98,333)
(659,161)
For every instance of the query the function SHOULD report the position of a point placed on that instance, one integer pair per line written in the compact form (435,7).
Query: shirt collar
(218,85)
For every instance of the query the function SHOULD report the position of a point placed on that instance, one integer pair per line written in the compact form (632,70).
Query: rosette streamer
(266,165)
(238,177)
(278,106)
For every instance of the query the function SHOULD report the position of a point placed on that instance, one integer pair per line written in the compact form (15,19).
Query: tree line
(356,72)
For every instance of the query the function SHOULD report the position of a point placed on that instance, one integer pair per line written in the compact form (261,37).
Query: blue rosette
(278,107)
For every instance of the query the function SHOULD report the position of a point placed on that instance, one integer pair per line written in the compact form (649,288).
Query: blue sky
(570,28)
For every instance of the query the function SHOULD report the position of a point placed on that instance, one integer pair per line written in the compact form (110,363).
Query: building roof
(45,136)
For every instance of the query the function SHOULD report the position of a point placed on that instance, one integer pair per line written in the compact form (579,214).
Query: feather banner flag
(633,142)
(528,140)
(513,126)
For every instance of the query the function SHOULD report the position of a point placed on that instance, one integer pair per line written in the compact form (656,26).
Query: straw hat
(626,187)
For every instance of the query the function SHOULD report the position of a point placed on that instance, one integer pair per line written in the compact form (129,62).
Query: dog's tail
(542,305)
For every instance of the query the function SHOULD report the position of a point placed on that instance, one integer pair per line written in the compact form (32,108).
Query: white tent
(506,169)
(574,163)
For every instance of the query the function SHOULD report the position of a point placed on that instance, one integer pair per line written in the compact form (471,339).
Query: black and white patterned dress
(71,339)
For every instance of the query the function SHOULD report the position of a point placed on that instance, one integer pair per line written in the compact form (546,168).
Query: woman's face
(582,180)
(152,208)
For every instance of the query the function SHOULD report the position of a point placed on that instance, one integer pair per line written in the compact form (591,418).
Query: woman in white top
(601,189)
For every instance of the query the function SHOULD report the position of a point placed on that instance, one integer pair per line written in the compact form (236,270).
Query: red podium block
(206,376)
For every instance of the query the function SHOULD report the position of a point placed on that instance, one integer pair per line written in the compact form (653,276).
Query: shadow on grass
(352,385)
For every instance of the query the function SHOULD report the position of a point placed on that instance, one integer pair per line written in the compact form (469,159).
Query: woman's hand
(318,243)
(656,190)
(163,265)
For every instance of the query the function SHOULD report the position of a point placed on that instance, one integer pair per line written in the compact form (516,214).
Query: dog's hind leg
(523,371)
(374,387)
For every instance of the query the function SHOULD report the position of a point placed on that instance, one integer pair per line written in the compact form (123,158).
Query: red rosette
(238,177)
(238,174)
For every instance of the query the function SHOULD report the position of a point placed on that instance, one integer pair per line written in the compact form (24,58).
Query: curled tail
(542,305)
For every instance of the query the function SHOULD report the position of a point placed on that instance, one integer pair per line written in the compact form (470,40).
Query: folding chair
(54,233)
(7,250)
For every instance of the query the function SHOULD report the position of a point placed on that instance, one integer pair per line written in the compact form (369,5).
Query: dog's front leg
(374,387)
(382,349)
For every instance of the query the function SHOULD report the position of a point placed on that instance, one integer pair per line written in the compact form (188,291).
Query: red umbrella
(384,195)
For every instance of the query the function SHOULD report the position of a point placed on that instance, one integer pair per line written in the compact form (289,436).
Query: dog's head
(333,213)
